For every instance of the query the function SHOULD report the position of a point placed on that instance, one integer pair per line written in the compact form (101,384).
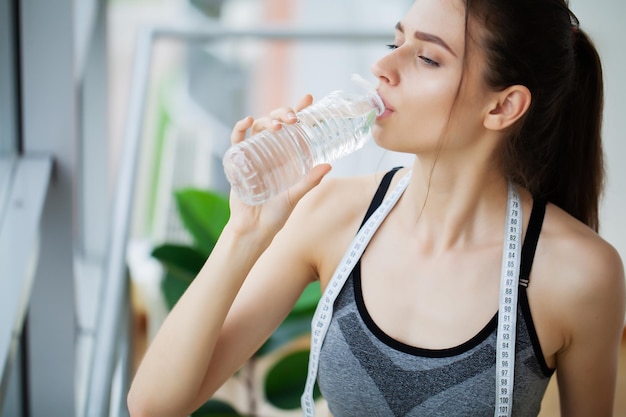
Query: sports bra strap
(380,194)
(530,241)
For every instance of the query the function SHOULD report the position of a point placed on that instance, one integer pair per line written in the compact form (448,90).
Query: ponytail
(575,179)
(582,159)
(555,150)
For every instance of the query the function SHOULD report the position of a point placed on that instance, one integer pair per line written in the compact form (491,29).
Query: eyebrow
(427,37)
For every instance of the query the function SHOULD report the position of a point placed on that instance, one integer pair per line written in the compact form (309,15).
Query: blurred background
(114,116)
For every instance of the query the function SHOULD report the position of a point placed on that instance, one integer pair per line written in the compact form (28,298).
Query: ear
(507,107)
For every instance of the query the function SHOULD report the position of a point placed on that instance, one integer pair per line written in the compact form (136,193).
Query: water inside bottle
(269,162)
(261,166)
(338,130)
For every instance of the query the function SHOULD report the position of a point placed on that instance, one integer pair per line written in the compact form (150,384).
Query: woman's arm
(208,335)
(220,321)
(594,317)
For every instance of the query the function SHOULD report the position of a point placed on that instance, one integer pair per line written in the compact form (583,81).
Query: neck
(453,206)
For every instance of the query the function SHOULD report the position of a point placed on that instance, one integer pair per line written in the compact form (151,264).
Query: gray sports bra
(365,372)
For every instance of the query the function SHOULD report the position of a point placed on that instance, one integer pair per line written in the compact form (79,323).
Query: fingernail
(276,122)
(291,115)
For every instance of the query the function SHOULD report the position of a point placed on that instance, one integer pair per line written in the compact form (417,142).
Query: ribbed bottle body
(269,162)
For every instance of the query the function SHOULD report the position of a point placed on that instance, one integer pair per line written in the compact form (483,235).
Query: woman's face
(419,80)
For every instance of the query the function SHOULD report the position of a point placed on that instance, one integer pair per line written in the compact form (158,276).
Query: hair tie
(574,22)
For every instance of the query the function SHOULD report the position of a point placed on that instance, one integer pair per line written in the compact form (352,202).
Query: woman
(484,93)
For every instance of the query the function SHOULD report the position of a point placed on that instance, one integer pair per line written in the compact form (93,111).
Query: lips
(388,108)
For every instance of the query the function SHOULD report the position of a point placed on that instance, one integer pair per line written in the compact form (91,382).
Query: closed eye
(425,59)
(429,61)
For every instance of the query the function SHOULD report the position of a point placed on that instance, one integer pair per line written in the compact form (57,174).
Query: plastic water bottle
(268,163)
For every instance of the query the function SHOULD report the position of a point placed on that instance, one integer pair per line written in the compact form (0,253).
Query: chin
(384,138)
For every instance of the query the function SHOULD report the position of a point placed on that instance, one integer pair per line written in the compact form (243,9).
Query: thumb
(310,181)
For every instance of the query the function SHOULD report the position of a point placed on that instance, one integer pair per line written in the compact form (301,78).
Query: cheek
(435,94)
(422,115)
(431,107)
(417,129)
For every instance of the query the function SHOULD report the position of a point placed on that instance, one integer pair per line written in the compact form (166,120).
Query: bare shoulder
(326,219)
(581,257)
(580,274)
(577,298)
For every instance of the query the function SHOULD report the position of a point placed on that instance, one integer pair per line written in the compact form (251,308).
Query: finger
(285,115)
(239,130)
(280,116)
(265,123)
(305,101)
(312,179)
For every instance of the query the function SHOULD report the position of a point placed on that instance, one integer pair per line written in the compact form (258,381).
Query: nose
(385,69)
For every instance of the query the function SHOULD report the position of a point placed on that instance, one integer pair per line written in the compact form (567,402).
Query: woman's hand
(270,217)
(219,322)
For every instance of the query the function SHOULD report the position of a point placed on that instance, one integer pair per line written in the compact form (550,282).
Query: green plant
(204,215)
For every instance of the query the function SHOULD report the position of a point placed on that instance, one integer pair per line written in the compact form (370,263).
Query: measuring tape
(508,304)
(507,313)
(324,311)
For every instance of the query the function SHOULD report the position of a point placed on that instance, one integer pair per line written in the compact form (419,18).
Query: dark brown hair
(555,150)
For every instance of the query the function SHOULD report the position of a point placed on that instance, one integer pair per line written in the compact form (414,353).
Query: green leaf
(309,298)
(293,327)
(204,214)
(216,408)
(172,289)
(182,262)
(284,382)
